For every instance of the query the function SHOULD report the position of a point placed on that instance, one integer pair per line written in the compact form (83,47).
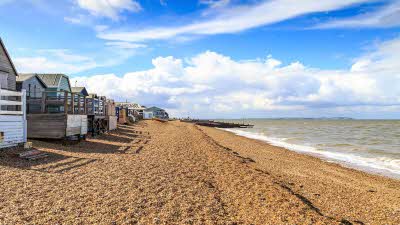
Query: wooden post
(23,108)
(73,103)
(84,105)
(43,104)
(65,102)
(79,105)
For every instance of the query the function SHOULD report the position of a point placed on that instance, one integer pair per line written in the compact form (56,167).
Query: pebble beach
(180,173)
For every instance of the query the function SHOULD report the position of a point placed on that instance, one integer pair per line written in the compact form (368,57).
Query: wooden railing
(13,102)
(96,106)
(57,102)
(12,116)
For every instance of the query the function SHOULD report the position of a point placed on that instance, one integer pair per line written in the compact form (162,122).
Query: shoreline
(174,173)
(346,164)
(331,186)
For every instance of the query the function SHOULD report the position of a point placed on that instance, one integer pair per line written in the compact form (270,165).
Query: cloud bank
(211,84)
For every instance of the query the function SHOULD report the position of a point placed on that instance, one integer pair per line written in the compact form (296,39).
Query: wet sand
(178,173)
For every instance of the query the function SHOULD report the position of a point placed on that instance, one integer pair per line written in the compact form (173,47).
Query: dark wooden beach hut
(80,103)
(62,112)
(34,87)
(96,113)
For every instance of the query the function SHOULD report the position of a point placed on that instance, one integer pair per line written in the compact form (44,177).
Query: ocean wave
(382,164)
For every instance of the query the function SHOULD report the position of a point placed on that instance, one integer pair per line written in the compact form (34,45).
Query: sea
(369,145)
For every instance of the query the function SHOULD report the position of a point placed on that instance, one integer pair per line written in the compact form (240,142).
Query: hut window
(29,90)
(34,91)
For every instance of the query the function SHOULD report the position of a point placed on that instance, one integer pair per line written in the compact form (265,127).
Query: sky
(218,58)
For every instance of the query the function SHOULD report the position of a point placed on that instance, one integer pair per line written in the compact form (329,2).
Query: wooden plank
(8,102)
(2,112)
(66,102)
(43,104)
(73,103)
(10,93)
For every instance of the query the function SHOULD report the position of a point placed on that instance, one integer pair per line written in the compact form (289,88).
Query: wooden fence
(57,102)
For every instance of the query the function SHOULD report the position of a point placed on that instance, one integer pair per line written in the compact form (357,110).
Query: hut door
(3,80)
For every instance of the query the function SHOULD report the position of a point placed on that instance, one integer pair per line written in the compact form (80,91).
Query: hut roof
(153,109)
(130,105)
(92,95)
(26,76)
(51,80)
(81,90)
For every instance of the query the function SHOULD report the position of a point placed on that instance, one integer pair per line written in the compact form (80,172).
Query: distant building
(155,112)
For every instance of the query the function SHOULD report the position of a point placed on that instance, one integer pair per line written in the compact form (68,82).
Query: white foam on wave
(384,165)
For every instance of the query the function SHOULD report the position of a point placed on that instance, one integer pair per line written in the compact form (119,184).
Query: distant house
(34,88)
(155,112)
(8,73)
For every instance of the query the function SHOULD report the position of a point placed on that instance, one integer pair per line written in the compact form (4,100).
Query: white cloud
(234,19)
(388,16)
(125,45)
(109,8)
(215,3)
(54,61)
(211,84)
(68,62)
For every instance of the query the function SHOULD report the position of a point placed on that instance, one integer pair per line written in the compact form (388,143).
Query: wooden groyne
(218,124)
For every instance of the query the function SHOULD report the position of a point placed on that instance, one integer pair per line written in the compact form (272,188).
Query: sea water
(369,145)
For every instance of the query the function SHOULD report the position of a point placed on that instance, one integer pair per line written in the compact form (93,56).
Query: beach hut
(34,87)
(111,115)
(96,112)
(134,111)
(62,113)
(80,103)
(12,104)
(155,112)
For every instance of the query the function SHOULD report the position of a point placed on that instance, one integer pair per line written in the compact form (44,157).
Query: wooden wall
(8,75)
(11,130)
(64,84)
(76,125)
(36,89)
(56,126)
(112,122)
(51,126)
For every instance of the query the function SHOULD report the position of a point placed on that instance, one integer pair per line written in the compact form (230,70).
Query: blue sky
(218,58)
